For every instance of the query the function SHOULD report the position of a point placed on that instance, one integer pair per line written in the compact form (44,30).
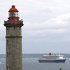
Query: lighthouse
(13,40)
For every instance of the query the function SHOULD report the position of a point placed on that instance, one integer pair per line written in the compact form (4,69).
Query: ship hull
(52,61)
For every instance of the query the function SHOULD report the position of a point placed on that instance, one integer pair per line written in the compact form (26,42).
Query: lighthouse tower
(13,40)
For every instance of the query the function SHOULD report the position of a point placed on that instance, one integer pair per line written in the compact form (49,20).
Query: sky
(46,25)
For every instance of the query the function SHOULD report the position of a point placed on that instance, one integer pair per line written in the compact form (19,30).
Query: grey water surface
(30,62)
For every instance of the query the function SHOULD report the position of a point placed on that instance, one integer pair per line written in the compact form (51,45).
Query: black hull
(52,61)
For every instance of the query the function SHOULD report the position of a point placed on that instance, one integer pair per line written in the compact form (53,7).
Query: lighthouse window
(7,42)
(11,14)
(7,68)
(7,54)
(16,14)
(7,28)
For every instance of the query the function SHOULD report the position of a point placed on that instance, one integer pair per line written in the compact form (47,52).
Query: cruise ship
(55,58)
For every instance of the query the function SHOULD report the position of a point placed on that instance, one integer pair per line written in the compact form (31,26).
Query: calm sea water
(30,62)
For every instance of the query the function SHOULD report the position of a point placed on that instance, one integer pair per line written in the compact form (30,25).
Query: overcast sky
(46,25)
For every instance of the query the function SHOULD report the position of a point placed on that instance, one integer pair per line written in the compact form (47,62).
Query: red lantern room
(13,19)
(13,12)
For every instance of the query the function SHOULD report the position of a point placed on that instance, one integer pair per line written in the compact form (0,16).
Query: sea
(30,62)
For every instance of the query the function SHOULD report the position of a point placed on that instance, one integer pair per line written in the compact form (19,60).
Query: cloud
(60,22)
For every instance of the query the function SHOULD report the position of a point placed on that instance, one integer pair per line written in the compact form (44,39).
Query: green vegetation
(60,68)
